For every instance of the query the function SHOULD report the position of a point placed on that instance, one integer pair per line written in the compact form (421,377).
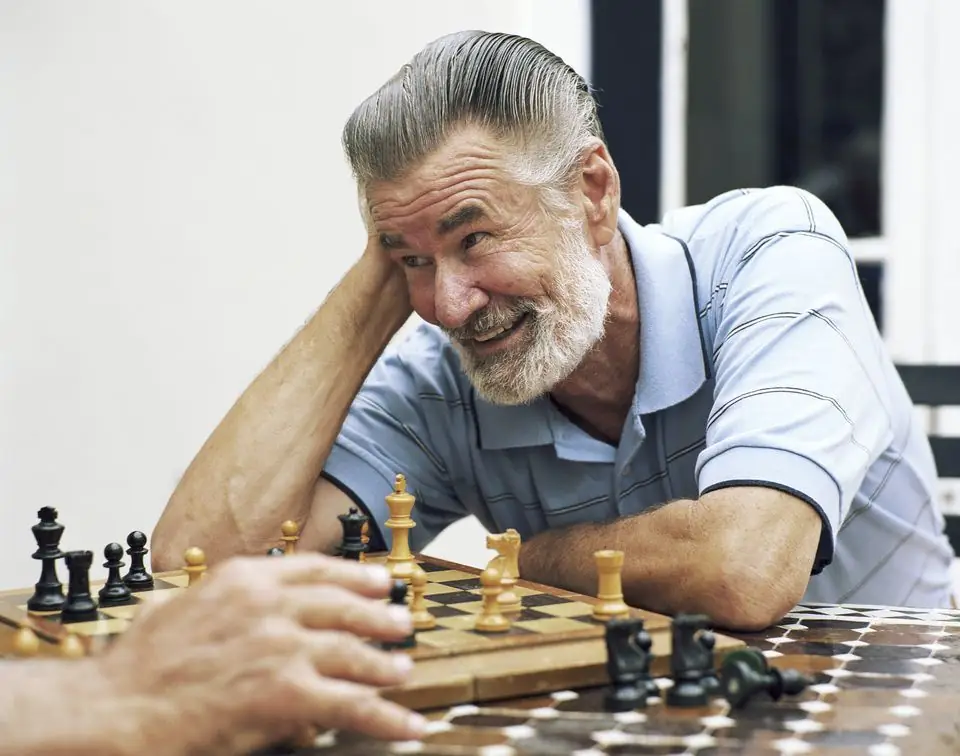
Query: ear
(600,191)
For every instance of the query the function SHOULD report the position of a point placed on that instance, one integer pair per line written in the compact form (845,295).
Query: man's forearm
(672,562)
(49,708)
(260,464)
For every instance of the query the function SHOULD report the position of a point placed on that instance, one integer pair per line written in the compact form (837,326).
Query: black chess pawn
(137,579)
(398,597)
(628,665)
(114,592)
(746,673)
(352,545)
(274,551)
(688,662)
(48,591)
(79,605)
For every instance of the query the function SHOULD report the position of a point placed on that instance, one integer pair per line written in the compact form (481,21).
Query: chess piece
(610,590)
(79,605)
(507,546)
(26,644)
(48,591)
(352,545)
(196,564)
(400,560)
(275,551)
(689,661)
(365,540)
(422,618)
(746,672)
(137,578)
(71,647)
(398,597)
(114,592)
(491,619)
(628,665)
(290,534)
(710,680)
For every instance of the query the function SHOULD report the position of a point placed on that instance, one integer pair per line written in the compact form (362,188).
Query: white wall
(173,205)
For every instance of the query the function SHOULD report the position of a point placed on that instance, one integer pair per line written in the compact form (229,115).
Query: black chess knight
(628,665)
(352,545)
(48,593)
(691,661)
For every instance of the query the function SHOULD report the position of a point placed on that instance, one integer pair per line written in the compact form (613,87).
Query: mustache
(490,317)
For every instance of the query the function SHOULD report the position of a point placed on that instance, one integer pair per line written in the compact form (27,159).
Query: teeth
(494,332)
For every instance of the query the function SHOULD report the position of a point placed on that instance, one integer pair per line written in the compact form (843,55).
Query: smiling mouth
(500,333)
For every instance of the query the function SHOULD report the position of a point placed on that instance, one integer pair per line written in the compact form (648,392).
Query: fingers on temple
(348,706)
(346,657)
(334,608)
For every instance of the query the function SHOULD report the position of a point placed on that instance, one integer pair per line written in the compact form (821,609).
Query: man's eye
(471,239)
(412,261)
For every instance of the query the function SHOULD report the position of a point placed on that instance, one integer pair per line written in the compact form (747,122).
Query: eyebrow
(459,217)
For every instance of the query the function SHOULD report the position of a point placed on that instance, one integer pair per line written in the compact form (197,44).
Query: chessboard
(879,681)
(553,641)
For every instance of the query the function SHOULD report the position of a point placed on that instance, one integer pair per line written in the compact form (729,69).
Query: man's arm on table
(799,414)
(741,555)
(260,465)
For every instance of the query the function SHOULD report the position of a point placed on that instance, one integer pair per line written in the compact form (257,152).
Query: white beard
(561,328)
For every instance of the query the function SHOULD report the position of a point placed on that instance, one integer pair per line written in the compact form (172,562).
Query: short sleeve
(397,425)
(800,399)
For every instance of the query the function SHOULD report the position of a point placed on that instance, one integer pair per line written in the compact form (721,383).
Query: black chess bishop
(48,591)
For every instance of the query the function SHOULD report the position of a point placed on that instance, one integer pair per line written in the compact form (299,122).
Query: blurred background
(174,203)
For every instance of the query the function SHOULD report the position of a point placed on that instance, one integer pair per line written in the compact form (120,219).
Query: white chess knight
(507,546)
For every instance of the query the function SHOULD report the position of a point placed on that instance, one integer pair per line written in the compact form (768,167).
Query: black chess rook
(137,579)
(114,592)
(79,605)
(352,545)
(48,591)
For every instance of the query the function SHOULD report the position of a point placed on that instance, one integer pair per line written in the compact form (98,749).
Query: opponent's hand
(263,648)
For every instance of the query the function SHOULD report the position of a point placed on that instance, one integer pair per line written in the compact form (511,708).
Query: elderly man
(709,394)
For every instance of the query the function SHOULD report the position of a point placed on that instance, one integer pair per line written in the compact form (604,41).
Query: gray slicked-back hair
(512,86)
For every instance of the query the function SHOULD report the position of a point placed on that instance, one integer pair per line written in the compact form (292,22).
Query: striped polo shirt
(760,364)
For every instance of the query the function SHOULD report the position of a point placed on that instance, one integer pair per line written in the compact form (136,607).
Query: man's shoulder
(740,217)
(423,361)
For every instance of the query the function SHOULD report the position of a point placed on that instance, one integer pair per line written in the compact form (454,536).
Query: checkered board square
(109,622)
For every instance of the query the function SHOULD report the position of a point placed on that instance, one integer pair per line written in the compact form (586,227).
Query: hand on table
(263,648)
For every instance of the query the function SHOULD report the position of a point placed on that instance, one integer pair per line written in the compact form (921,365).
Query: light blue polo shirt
(760,365)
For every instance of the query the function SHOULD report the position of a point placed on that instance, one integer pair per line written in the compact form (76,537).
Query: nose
(456,296)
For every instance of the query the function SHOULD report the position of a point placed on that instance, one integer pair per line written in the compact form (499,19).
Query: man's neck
(598,394)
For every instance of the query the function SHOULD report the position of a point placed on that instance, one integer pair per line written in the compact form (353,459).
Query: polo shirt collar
(673,358)
(674,362)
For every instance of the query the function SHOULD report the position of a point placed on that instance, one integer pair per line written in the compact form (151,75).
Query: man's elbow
(746,599)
